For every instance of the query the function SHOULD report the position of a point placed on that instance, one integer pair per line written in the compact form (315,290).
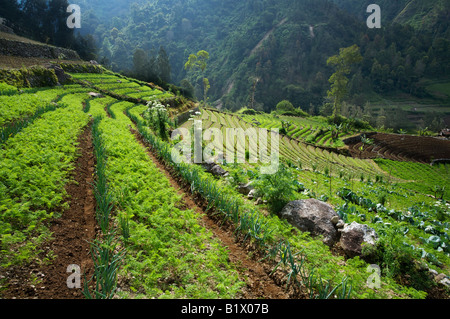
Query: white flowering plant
(158,119)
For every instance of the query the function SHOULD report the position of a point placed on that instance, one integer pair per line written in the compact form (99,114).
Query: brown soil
(399,147)
(260,284)
(72,234)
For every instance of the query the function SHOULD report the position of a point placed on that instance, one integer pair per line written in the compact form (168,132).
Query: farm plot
(169,254)
(314,131)
(423,178)
(296,152)
(265,230)
(122,86)
(34,167)
(420,149)
(22,105)
(166,251)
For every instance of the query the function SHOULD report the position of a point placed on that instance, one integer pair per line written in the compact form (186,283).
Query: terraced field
(314,131)
(293,150)
(87,181)
(123,86)
(403,148)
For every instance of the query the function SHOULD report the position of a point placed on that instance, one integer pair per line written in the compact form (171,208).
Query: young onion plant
(106,266)
(106,258)
(103,198)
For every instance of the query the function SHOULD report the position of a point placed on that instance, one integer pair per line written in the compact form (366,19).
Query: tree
(9,9)
(85,46)
(255,81)
(199,63)
(188,88)
(56,23)
(163,64)
(342,63)
(140,63)
(33,13)
(285,106)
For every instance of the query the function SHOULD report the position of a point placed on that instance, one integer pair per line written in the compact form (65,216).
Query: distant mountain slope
(425,14)
(293,38)
(420,14)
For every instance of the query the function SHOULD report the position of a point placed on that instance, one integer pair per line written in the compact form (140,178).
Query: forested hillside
(421,14)
(262,52)
(279,48)
(45,21)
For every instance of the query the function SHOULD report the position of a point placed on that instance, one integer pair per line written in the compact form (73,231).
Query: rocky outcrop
(319,219)
(313,216)
(63,77)
(354,236)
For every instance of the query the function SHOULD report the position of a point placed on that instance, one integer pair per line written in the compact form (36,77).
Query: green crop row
(169,254)
(426,179)
(317,270)
(298,153)
(35,166)
(22,105)
(122,86)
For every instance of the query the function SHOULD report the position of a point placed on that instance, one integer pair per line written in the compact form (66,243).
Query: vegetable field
(155,227)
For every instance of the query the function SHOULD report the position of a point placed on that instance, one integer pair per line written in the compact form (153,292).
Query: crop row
(22,105)
(35,165)
(122,86)
(424,232)
(423,178)
(298,153)
(316,132)
(273,236)
(169,254)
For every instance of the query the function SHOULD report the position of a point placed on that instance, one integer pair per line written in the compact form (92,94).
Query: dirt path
(71,236)
(255,273)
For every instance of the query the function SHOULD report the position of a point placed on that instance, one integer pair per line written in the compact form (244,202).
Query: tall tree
(163,65)
(342,63)
(9,9)
(199,63)
(56,22)
(34,13)
(140,63)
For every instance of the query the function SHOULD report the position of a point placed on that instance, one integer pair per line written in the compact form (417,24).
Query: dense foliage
(46,21)
(283,44)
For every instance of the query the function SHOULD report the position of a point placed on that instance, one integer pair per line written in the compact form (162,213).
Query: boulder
(354,236)
(340,224)
(335,220)
(95,94)
(253,194)
(215,169)
(245,189)
(445,282)
(313,216)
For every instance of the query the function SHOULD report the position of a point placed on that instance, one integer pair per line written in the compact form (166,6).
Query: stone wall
(31,50)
